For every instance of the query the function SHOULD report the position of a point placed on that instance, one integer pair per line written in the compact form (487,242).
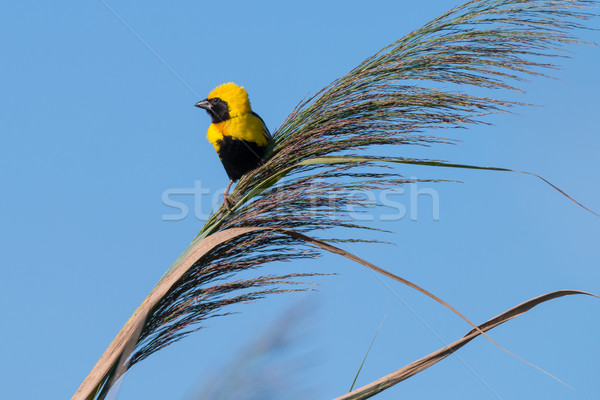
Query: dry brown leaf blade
(116,355)
(115,358)
(422,364)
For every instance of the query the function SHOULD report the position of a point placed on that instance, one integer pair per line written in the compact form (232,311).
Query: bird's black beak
(203,104)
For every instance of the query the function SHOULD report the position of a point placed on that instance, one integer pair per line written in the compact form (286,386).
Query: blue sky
(97,121)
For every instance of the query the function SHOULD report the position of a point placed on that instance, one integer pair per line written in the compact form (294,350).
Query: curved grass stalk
(322,155)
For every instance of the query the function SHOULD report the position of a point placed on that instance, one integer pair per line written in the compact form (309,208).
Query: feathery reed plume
(321,155)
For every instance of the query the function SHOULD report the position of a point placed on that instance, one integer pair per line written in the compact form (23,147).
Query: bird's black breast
(239,156)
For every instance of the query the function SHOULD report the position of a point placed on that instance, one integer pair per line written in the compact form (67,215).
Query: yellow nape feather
(235,96)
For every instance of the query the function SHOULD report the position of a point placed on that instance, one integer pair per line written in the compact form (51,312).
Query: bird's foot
(228,201)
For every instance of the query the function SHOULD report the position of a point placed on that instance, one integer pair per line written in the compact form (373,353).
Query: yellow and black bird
(238,134)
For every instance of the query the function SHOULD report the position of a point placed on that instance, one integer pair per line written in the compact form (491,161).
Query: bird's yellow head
(235,96)
(226,101)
